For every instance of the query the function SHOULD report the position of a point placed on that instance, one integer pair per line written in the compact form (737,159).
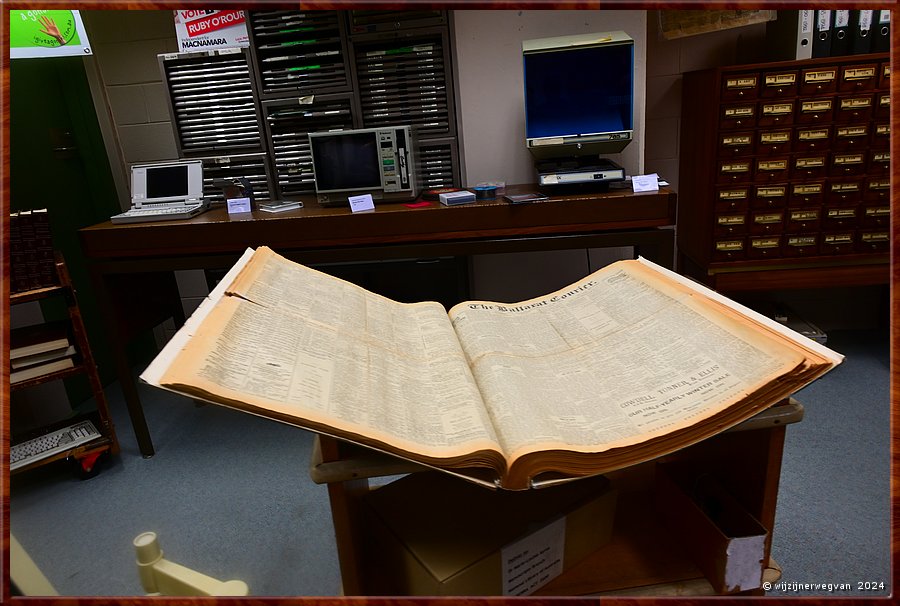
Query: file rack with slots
(789,180)
(86,435)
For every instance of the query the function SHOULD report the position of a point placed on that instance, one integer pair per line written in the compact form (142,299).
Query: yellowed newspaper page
(613,360)
(294,343)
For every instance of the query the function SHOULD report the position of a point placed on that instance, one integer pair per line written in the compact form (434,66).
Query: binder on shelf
(861,27)
(790,35)
(822,34)
(881,34)
(840,34)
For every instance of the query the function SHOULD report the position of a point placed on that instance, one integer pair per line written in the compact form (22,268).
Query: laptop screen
(175,181)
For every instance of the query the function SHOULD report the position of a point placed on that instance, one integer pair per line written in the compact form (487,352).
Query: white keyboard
(166,213)
(48,445)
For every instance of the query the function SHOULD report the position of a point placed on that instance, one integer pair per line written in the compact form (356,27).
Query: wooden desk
(132,264)
(642,558)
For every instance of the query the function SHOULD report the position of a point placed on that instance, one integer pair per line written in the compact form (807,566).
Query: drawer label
(859,73)
(878,236)
(845,159)
(838,238)
(740,82)
(804,215)
(768,218)
(782,136)
(777,109)
(887,71)
(780,79)
(818,105)
(736,140)
(773,165)
(884,101)
(738,112)
(841,213)
(765,242)
(853,131)
(825,75)
(880,184)
(810,162)
(882,157)
(808,189)
(883,130)
(738,167)
(733,194)
(801,240)
(856,103)
(845,187)
(770,192)
(727,245)
(731,219)
(878,211)
(813,134)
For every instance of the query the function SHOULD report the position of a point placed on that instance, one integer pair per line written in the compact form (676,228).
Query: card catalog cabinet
(789,165)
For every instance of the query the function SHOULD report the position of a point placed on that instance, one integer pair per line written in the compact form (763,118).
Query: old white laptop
(165,190)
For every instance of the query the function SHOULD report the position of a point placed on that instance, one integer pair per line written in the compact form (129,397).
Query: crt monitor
(175,181)
(579,94)
(379,161)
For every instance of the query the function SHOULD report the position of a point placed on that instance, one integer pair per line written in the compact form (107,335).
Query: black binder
(861,36)
(822,34)
(840,33)
(881,32)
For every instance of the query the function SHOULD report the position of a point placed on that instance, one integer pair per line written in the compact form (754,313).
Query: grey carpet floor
(229,495)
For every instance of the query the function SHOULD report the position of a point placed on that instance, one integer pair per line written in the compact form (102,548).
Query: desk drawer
(856,78)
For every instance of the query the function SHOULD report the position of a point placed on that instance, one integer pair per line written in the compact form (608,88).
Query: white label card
(645,182)
(361,203)
(534,561)
(238,205)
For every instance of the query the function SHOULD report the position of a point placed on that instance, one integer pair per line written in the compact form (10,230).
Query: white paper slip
(360,203)
(645,182)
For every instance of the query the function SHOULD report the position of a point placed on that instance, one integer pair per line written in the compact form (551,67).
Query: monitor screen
(579,91)
(167,182)
(347,161)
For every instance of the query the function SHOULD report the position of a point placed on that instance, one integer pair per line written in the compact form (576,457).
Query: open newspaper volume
(628,364)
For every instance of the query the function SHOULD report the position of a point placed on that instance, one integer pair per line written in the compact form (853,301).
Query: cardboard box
(725,541)
(432,534)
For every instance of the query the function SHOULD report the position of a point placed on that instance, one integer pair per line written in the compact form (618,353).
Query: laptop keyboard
(164,213)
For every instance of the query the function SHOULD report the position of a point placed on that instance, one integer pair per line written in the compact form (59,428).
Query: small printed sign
(361,203)
(645,182)
(238,205)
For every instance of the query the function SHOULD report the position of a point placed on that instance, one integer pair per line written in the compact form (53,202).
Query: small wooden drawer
(734,144)
(882,109)
(881,135)
(737,170)
(801,245)
(838,243)
(738,87)
(732,199)
(807,194)
(811,138)
(765,247)
(730,226)
(877,241)
(772,169)
(847,164)
(875,216)
(770,197)
(818,80)
(803,220)
(854,108)
(877,189)
(738,116)
(773,142)
(766,223)
(846,193)
(779,84)
(776,112)
(851,136)
(818,110)
(840,217)
(730,249)
(879,162)
(813,165)
(859,77)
